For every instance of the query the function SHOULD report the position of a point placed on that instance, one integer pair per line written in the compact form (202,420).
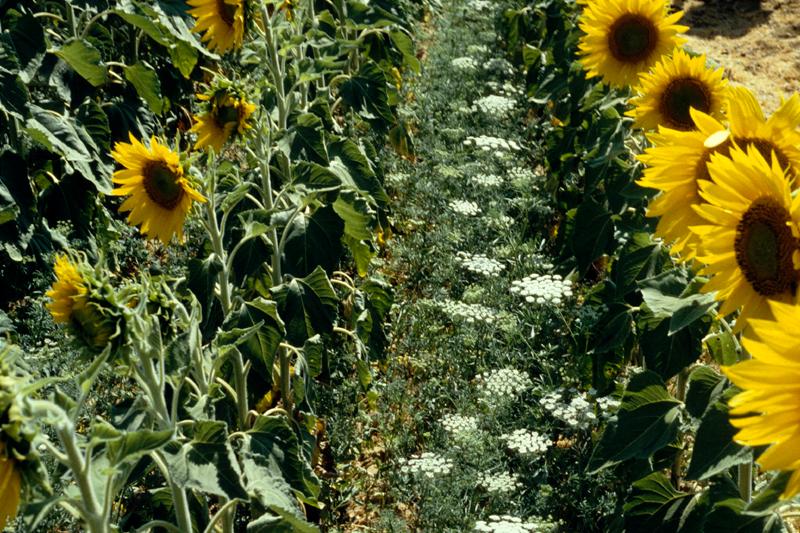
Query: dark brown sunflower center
(632,38)
(764,247)
(681,95)
(702,166)
(227,12)
(765,148)
(162,185)
(226,114)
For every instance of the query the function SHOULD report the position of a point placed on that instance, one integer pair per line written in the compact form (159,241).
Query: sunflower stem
(216,243)
(681,382)
(745,473)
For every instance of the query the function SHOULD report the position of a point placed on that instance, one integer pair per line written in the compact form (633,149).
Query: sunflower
(10,486)
(68,293)
(624,38)
(777,134)
(767,412)
(676,84)
(159,195)
(675,163)
(749,243)
(221,20)
(227,114)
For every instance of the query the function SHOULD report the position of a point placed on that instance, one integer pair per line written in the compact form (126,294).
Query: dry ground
(758,42)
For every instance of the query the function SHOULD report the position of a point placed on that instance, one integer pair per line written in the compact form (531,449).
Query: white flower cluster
(506,524)
(480,264)
(502,385)
(477,49)
(607,405)
(521,175)
(479,5)
(542,289)
(464,64)
(527,442)
(469,313)
(487,180)
(492,144)
(577,412)
(465,207)
(499,483)
(460,427)
(427,464)
(496,105)
(500,221)
(505,89)
(499,66)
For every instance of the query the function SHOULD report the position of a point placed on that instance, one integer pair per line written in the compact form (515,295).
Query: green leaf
(207,464)
(313,241)
(366,93)
(404,44)
(723,348)
(648,420)
(616,325)
(257,329)
(704,385)
(668,353)
(714,449)
(307,137)
(359,218)
(27,36)
(91,118)
(273,444)
(86,60)
(133,445)
(145,80)
(654,504)
(591,234)
(308,305)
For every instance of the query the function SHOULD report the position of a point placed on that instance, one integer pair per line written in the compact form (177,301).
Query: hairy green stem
(94,515)
(240,379)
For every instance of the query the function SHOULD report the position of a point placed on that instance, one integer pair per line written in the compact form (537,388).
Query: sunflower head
(749,242)
(159,196)
(76,301)
(228,113)
(767,411)
(676,85)
(623,38)
(774,135)
(675,163)
(222,22)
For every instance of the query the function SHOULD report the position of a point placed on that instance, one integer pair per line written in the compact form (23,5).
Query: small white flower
(480,264)
(513,524)
(427,464)
(500,386)
(495,105)
(465,207)
(461,428)
(527,442)
(543,288)
(488,181)
(492,144)
(464,64)
(499,482)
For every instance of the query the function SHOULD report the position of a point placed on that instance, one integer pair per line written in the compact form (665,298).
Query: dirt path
(758,42)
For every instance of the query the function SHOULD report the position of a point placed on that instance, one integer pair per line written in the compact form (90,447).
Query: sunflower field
(392,265)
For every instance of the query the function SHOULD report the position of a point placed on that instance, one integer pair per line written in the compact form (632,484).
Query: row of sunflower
(188,354)
(697,270)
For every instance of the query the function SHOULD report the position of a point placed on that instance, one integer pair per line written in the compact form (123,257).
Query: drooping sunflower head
(159,196)
(222,23)
(767,411)
(749,242)
(777,134)
(675,85)
(624,38)
(675,163)
(10,487)
(74,302)
(68,292)
(228,113)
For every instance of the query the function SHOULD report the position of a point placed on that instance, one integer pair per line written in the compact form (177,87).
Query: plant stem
(95,516)
(216,245)
(241,388)
(680,393)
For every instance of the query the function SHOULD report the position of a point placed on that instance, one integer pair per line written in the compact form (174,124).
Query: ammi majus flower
(674,86)
(749,242)
(222,23)
(624,38)
(159,196)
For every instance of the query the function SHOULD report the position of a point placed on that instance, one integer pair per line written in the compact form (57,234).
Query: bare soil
(757,41)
